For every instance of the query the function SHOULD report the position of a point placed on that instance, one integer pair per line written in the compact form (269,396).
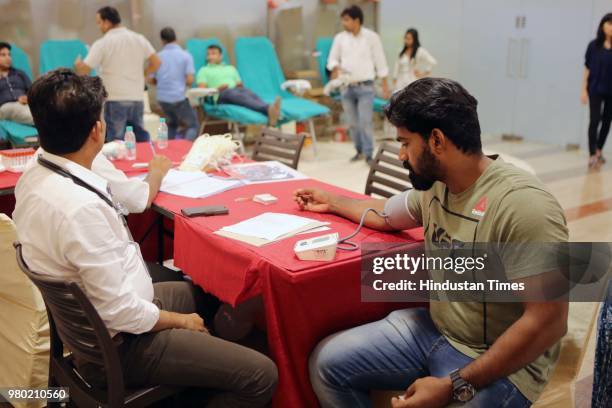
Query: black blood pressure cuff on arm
(397,213)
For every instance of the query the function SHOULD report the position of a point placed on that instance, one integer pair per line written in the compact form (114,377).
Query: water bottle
(130,143)
(162,134)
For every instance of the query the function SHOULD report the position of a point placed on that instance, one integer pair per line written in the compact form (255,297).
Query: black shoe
(356,157)
(370,161)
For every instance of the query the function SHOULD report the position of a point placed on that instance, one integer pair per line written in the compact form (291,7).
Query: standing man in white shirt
(357,54)
(70,227)
(119,56)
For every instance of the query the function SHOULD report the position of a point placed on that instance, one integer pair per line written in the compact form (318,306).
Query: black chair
(387,176)
(74,323)
(272,144)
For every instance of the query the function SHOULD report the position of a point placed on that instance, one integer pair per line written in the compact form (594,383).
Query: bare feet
(274,112)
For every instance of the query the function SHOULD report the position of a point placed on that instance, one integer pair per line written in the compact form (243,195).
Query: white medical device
(321,248)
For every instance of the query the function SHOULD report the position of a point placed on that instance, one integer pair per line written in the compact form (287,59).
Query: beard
(428,171)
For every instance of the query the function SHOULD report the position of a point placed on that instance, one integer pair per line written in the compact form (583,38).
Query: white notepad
(269,227)
(195,184)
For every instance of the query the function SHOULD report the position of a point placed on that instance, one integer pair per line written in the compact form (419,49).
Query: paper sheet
(195,184)
(269,227)
(263,172)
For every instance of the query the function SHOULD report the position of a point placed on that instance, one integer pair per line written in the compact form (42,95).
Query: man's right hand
(314,200)
(160,164)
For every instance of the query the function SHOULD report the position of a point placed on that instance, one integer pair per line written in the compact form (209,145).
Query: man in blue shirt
(174,75)
(14,85)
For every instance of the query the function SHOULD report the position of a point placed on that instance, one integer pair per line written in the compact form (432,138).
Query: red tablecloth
(8,180)
(304,301)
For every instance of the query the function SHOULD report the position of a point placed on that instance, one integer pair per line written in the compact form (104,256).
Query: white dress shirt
(404,71)
(119,57)
(69,232)
(359,56)
(132,193)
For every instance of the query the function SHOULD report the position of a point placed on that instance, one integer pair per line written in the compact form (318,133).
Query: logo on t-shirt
(481,207)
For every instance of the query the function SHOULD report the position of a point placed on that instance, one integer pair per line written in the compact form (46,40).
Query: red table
(304,301)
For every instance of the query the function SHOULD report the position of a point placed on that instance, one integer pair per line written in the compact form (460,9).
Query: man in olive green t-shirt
(225,78)
(489,354)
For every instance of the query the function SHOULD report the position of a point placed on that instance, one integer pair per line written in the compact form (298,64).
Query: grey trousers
(242,376)
(16,112)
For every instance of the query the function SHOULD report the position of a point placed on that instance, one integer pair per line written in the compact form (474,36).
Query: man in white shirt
(357,55)
(119,56)
(76,232)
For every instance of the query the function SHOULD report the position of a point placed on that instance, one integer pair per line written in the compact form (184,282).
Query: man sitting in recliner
(226,79)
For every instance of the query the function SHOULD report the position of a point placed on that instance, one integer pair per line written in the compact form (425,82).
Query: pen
(152,147)
(145,165)
(241,199)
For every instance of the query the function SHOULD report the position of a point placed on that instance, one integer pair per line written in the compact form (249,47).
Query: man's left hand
(426,392)
(23,99)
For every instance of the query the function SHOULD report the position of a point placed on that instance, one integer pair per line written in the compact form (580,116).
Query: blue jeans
(390,355)
(180,112)
(243,97)
(358,105)
(119,114)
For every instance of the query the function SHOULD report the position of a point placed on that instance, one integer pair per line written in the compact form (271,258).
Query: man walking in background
(119,57)
(174,75)
(357,53)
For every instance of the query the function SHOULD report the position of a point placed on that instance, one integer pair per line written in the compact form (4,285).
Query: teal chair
(21,60)
(323,47)
(234,114)
(16,133)
(261,72)
(60,53)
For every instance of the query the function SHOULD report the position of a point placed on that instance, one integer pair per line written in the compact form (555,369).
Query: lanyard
(119,209)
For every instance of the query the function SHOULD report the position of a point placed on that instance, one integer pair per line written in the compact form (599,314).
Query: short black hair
(65,107)
(111,14)
(353,12)
(168,35)
(4,45)
(215,47)
(436,103)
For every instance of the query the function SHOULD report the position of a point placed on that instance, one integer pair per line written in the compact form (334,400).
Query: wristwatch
(463,391)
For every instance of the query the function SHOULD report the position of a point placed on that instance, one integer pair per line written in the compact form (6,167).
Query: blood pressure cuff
(397,212)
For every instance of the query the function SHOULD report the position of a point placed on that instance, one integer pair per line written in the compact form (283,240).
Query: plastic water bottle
(162,134)
(130,143)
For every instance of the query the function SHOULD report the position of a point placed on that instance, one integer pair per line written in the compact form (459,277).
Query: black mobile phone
(206,210)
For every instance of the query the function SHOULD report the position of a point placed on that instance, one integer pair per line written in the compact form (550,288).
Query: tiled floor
(585,195)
